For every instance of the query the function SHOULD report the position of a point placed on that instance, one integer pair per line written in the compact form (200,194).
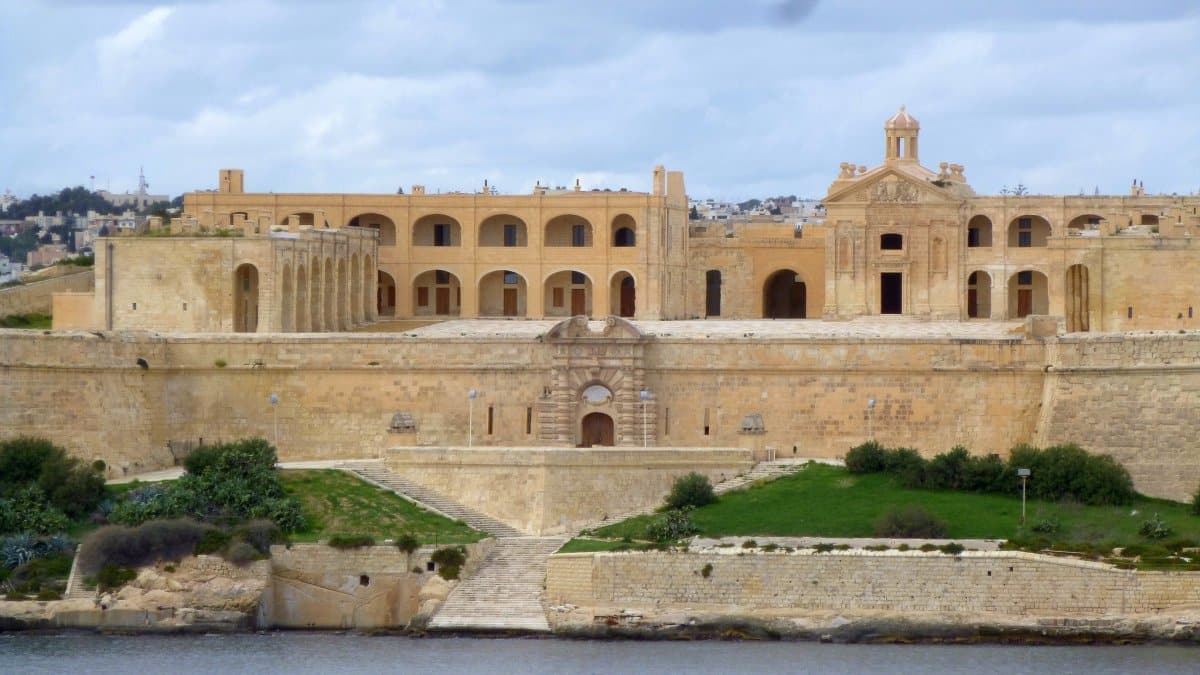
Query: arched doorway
(785,296)
(1027,294)
(436,293)
(979,232)
(245,299)
(567,293)
(502,293)
(712,293)
(385,295)
(1077,299)
(378,222)
(624,230)
(979,295)
(596,429)
(1028,231)
(623,295)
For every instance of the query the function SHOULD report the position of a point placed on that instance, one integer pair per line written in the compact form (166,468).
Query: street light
(870,407)
(471,417)
(645,396)
(274,399)
(1024,474)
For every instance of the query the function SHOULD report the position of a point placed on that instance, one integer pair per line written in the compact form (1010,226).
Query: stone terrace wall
(37,296)
(1136,397)
(979,582)
(553,490)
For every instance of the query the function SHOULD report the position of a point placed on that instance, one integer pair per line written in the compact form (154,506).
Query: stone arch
(385,303)
(287,301)
(624,231)
(597,429)
(1028,231)
(302,320)
(356,305)
(785,296)
(622,294)
(503,229)
(568,229)
(979,231)
(979,295)
(245,299)
(503,293)
(1028,293)
(567,293)
(712,293)
(1077,299)
(436,229)
(386,227)
(343,302)
(436,292)
(1086,221)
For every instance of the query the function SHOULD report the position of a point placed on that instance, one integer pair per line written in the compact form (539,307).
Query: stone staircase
(376,473)
(76,590)
(505,592)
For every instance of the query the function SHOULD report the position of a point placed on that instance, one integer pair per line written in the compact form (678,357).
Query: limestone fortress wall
(122,397)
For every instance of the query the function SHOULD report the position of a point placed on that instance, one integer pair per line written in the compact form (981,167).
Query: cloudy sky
(748,98)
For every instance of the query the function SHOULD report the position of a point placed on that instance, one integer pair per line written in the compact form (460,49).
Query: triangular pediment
(889,185)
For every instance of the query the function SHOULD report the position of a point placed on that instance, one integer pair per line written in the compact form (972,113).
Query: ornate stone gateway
(597,375)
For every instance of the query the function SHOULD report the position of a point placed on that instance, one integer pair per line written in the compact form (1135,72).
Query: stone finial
(578,187)
(861,169)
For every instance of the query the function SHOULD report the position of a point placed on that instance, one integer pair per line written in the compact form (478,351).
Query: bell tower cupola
(901,132)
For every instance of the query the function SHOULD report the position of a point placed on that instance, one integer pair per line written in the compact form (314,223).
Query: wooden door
(578,301)
(510,302)
(442,300)
(1024,302)
(596,430)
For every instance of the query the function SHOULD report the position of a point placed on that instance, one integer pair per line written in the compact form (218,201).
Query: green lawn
(828,501)
(338,503)
(40,321)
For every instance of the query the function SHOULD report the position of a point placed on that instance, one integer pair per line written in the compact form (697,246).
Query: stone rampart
(555,490)
(1006,583)
(36,297)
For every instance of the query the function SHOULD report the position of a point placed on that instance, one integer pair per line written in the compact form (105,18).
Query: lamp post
(645,396)
(274,399)
(1024,474)
(870,407)
(471,417)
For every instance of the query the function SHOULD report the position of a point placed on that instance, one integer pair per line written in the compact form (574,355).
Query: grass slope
(336,502)
(828,501)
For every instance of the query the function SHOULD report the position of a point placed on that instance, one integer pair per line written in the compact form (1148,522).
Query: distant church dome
(902,120)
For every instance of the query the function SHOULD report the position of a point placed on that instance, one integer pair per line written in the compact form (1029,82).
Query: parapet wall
(1008,582)
(556,490)
(36,297)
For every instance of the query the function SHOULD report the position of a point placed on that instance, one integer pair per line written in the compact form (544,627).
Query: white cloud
(123,55)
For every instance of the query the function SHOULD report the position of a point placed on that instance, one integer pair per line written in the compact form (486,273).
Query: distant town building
(135,200)
(46,254)
(6,200)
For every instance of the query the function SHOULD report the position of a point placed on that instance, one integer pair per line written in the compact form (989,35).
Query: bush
(907,465)
(749,543)
(1196,503)
(870,457)
(1066,472)
(241,553)
(986,474)
(29,511)
(260,534)
(953,548)
(111,577)
(65,483)
(212,541)
(947,471)
(909,522)
(408,543)
(1155,528)
(449,561)
(349,541)
(693,490)
(122,546)
(706,571)
(672,525)
(1045,526)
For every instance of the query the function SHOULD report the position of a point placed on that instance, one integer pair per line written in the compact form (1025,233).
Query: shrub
(1196,503)
(947,471)
(29,511)
(212,541)
(65,483)
(111,577)
(749,543)
(260,533)
(823,548)
(910,522)
(1155,528)
(953,548)
(49,594)
(672,525)
(907,465)
(349,541)
(220,363)
(927,548)
(408,543)
(986,474)
(1045,526)
(241,553)
(1067,472)
(123,546)
(693,490)
(870,457)
(449,561)
(706,571)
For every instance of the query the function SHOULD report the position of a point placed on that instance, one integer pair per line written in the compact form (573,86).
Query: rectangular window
(441,277)
(491,419)
(422,296)
(1129,312)
(135,306)
(706,426)
(1024,239)
(579,235)
(558,297)
(1189,312)
(510,278)
(666,421)
(578,278)
(1025,278)
(528,421)
(185,309)
(1025,223)
(510,235)
(441,235)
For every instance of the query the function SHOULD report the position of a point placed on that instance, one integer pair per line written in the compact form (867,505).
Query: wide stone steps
(505,593)
(374,471)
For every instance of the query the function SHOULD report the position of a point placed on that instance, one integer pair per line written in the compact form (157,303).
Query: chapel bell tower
(901,132)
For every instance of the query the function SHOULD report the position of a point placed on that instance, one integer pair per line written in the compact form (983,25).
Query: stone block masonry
(1006,583)
(36,297)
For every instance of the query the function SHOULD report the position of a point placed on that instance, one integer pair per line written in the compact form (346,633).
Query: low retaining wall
(1004,582)
(556,490)
(37,296)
